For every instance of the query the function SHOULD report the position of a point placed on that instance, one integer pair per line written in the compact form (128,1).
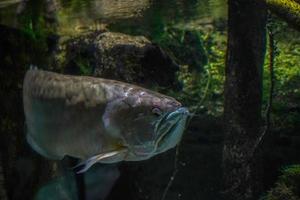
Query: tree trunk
(3,195)
(243,94)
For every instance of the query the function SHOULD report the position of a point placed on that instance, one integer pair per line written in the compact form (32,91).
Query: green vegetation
(287,9)
(285,113)
(206,84)
(287,71)
(288,185)
(202,61)
(34,21)
(197,44)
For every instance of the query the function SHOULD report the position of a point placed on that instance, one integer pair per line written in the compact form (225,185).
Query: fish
(98,120)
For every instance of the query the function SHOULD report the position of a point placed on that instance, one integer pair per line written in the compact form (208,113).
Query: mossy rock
(291,177)
(281,192)
(132,59)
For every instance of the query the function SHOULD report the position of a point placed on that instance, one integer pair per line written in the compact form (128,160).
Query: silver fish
(98,120)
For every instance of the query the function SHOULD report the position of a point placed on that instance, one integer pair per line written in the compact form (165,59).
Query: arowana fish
(98,120)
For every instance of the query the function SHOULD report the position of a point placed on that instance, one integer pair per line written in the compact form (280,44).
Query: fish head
(151,124)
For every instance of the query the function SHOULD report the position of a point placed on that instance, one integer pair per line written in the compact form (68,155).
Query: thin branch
(205,92)
(176,160)
(175,171)
(266,128)
(202,99)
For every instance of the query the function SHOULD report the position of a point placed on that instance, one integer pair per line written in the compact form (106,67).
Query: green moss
(287,74)
(287,9)
(287,186)
(281,192)
(291,177)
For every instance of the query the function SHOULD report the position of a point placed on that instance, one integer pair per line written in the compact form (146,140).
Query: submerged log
(243,94)
(288,10)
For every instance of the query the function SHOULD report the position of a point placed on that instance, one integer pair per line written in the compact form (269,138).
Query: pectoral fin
(85,165)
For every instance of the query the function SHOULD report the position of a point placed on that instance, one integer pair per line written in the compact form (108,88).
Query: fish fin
(86,164)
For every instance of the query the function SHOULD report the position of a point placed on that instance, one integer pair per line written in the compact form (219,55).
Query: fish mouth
(166,134)
(170,119)
(168,131)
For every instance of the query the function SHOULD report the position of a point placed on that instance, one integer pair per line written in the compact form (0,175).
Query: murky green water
(76,15)
(42,28)
(179,50)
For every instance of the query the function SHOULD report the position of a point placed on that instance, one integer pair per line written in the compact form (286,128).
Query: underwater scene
(150,100)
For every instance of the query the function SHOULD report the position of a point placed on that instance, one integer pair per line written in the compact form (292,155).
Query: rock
(132,59)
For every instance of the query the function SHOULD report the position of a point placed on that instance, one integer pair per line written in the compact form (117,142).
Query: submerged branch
(175,170)
(176,159)
(272,49)
(272,79)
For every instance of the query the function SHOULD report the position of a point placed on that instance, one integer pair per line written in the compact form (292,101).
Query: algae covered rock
(132,59)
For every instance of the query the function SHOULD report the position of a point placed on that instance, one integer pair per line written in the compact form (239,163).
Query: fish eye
(156,111)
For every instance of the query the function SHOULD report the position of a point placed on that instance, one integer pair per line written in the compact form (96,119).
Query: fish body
(98,120)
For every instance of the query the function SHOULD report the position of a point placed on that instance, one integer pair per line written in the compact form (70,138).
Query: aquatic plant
(287,9)
(288,185)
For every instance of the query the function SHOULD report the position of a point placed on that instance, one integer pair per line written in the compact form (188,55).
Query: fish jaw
(171,129)
(169,132)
